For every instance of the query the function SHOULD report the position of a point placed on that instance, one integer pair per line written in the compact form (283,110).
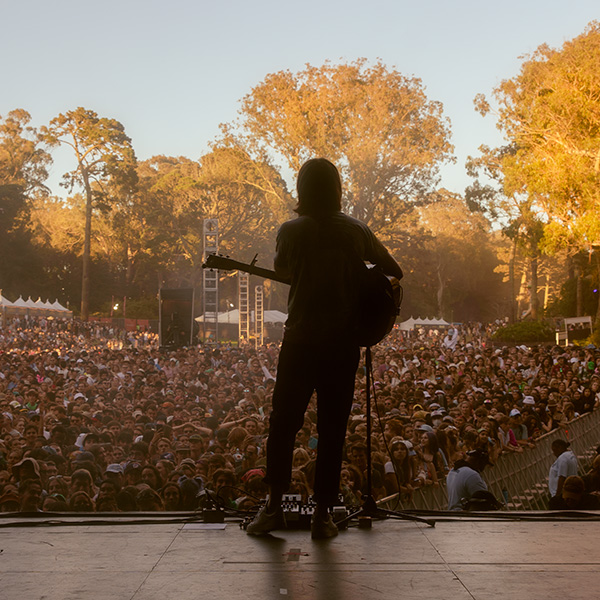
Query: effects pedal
(298,514)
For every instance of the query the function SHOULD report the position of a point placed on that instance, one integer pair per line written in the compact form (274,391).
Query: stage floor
(456,560)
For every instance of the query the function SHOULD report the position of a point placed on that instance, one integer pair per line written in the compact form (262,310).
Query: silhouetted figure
(321,253)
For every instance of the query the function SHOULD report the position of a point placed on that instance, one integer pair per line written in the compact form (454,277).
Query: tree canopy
(105,168)
(550,112)
(23,161)
(389,140)
(550,115)
(377,125)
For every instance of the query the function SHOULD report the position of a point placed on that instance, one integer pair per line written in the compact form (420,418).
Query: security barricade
(520,480)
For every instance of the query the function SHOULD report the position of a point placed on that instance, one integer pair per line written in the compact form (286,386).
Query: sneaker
(264,522)
(322,527)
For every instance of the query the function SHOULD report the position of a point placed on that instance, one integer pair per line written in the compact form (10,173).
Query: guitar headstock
(216,261)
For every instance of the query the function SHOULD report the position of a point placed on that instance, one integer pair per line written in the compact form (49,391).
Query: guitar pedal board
(298,514)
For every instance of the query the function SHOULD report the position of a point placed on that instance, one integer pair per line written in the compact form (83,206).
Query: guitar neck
(265,273)
(218,262)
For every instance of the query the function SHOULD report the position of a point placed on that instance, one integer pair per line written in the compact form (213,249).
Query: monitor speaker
(176,317)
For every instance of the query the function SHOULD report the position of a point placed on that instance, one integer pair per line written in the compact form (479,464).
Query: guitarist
(320,253)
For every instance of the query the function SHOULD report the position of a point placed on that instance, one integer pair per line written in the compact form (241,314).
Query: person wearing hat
(464,479)
(27,468)
(115,472)
(450,339)
(196,446)
(574,497)
(519,429)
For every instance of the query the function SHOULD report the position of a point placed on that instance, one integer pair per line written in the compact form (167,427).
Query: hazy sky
(172,71)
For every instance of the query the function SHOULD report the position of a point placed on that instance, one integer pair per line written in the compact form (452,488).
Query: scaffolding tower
(244,306)
(210,282)
(259,315)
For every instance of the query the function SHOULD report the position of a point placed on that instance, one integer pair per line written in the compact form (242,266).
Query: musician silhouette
(321,253)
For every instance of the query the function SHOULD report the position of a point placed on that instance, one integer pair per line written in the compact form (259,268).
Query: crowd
(92,419)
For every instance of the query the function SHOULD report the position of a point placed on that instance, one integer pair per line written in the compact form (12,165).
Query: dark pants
(302,369)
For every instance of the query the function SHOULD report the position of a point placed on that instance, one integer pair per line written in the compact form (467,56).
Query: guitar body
(379,304)
(380,296)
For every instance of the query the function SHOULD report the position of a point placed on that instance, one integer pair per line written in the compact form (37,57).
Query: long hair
(404,470)
(319,188)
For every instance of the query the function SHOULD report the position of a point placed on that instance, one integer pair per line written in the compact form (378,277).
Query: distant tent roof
(411,323)
(29,303)
(56,305)
(233,317)
(38,308)
(20,302)
(275,316)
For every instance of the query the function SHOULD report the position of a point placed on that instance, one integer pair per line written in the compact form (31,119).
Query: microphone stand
(369,507)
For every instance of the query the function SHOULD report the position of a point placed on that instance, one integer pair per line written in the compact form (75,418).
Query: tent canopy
(39,308)
(233,317)
(5,301)
(411,323)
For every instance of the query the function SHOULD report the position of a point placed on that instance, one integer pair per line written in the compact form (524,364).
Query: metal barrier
(520,480)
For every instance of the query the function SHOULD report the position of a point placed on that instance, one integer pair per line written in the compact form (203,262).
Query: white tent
(275,316)
(20,303)
(47,305)
(29,303)
(56,305)
(407,325)
(412,323)
(233,317)
(30,308)
(4,304)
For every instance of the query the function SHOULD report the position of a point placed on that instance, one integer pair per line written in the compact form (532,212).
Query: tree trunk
(579,291)
(85,271)
(523,296)
(511,277)
(440,293)
(598,288)
(533,295)
(128,268)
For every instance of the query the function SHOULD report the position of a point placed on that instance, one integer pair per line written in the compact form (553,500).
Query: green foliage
(550,112)
(137,308)
(595,337)
(526,332)
(176,194)
(22,161)
(549,170)
(566,304)
(142,308)
(19,264)
(105,169)
(103,152)
(458,258)
(376,124)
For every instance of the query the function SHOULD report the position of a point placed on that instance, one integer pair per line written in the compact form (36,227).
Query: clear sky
(172,71)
